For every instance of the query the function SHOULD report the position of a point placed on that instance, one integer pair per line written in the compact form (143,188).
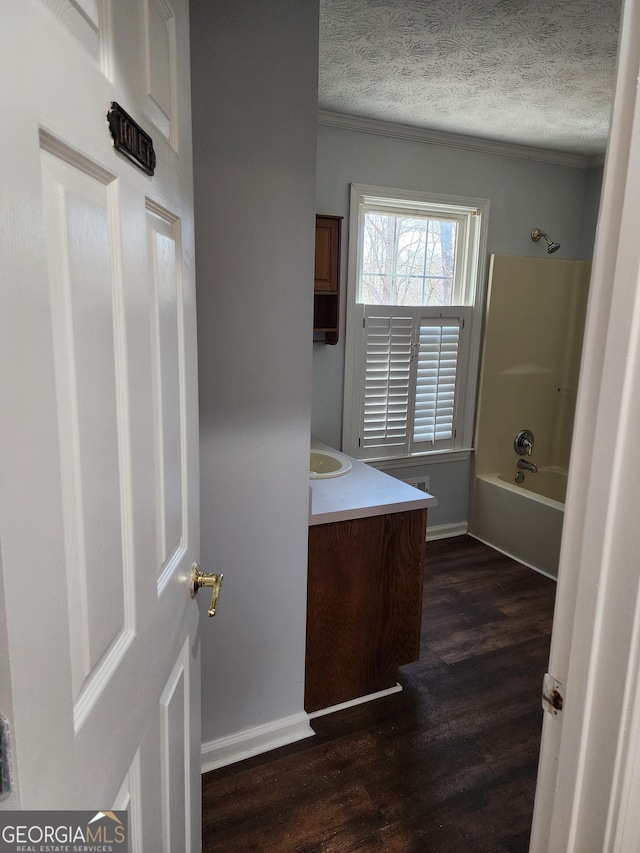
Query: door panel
(160,67)
(88,354)
(174,723)
(84,20)
(163,237)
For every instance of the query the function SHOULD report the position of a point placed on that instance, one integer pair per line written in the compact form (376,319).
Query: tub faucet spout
(528,466)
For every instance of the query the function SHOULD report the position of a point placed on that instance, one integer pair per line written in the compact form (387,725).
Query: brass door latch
(199,579)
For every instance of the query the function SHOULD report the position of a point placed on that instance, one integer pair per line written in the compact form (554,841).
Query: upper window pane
(408,260)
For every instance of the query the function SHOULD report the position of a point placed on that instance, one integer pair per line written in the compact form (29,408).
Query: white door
(588,792)
(98,426)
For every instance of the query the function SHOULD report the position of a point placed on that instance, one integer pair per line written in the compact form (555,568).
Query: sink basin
(327,463)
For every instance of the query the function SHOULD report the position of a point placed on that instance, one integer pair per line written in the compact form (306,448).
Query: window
(412,323)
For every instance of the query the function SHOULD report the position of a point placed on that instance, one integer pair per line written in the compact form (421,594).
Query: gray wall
(590,210)
(524,194)
(254,81)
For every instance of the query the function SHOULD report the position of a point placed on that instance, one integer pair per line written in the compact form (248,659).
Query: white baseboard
(446,531)
(249,742)
(351,703)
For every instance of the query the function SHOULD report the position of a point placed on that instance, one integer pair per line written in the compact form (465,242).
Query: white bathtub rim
(496,480)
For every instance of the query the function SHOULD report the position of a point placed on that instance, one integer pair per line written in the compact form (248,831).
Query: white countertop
(362,493)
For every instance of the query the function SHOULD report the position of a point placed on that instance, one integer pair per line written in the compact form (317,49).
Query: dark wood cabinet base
(364,605)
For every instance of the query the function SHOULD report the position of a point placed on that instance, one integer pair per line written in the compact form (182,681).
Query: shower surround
(530,368)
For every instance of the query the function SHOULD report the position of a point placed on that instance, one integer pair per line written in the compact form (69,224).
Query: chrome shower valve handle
(523,442)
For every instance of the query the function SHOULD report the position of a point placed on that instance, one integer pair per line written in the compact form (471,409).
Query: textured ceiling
(533,72)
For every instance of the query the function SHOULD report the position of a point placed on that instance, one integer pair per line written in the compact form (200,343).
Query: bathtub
(523,520)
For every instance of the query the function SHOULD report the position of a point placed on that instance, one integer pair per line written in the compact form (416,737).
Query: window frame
(474,258)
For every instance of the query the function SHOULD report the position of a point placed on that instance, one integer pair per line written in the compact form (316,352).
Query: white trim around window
(411,371)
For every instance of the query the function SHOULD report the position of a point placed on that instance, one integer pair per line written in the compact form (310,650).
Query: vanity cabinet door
(364,605)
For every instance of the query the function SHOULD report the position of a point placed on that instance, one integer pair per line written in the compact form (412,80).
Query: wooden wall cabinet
(326,286)
(364,605)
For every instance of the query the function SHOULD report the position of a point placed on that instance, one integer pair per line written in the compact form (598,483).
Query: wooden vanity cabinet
(326,286)
(364,605)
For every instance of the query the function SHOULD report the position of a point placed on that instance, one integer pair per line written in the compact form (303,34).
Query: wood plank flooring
(446,766)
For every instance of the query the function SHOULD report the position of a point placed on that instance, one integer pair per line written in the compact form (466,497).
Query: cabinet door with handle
(327,253)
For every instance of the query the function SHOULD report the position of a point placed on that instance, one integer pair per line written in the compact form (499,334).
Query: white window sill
(431,458)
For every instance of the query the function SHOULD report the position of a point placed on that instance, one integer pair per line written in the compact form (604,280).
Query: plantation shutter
(388,336)
(414,359)
(437,369)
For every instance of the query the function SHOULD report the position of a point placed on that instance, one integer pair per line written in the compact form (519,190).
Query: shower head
(552,247)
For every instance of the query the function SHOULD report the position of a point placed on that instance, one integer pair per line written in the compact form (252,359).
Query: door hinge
(552,695)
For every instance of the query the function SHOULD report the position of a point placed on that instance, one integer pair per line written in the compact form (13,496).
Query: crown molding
(454,140)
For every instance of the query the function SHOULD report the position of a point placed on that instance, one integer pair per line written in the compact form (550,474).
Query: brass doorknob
(199,579)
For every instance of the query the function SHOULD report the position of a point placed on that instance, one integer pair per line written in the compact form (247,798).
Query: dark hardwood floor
(446,766)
